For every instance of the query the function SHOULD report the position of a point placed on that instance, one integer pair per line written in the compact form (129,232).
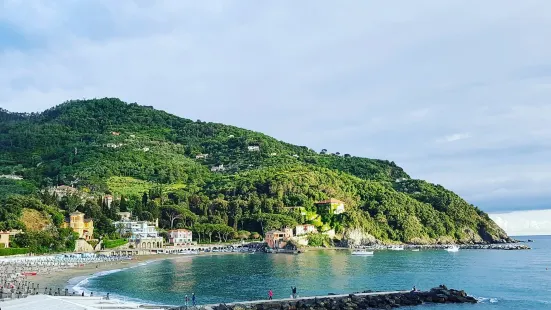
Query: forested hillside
(200,175)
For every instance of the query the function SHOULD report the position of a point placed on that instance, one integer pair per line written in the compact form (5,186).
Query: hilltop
(212,173)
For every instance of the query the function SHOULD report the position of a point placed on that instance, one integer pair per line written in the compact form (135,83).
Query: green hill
(162,165)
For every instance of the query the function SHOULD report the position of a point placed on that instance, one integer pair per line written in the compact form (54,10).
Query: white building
(217,168)
(201,156)
(143,234)
(180,236)
(253,148)
(305,229)
(108,200)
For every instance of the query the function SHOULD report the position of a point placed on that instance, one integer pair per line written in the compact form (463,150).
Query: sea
(499,279)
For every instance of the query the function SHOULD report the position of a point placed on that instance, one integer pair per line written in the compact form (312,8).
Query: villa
(201,156)
(253,148)
(83,227)
(180,236)
(277,239)
(305,229)
(142,234)
(4,239)
(331,205)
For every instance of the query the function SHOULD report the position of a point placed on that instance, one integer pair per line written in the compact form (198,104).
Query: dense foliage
(157,166)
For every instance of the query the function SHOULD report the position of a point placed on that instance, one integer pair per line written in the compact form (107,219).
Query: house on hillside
(331,205)
(143,234)
(83,227)
(253,148)
(277,239)
(4,239)
(115,133)
(201,156)
(62,191)
(299,210)
(11,177)
(218,168)
(108,200)
(180,236)
(125,216)
(305,229)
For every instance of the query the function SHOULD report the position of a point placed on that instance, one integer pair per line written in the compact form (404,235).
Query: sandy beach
(67,278)
(60,279)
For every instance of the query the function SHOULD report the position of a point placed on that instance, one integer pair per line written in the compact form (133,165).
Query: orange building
(84,227)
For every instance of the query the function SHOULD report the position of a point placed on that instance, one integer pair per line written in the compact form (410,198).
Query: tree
(173,213)
(243,234)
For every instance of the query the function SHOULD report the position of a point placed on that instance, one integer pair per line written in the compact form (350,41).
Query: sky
(455,92)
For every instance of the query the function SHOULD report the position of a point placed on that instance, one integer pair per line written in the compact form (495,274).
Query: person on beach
(193,299)
(294,290)
(270,294)
(187,301)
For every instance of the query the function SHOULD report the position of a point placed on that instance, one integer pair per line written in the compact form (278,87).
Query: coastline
(72,276)
(69,278)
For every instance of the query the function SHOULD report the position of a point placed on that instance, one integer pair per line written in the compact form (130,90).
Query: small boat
(362,252)
(453,248)
(415,250)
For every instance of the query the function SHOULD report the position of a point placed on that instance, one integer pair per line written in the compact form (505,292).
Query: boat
(415,250)
(453,248)
(362,252)
(396,248)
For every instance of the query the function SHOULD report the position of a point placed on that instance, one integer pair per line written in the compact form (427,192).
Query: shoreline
(70,278)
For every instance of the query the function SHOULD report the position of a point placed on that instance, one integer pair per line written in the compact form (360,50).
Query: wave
(486,299)
(82,282)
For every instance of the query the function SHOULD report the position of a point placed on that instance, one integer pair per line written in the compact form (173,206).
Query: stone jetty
(372,300)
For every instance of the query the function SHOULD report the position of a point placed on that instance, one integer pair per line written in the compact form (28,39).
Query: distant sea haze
(524,223)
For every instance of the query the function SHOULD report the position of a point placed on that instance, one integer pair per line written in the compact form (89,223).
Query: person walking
(187,300)
(193,300)
(294,290)
(270,295)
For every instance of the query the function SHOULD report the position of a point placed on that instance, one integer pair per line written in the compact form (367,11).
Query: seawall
(375,300)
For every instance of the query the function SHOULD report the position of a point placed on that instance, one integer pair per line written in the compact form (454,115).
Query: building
(299,210)
(108,200)
(253,148)
(84,227)
(142,234)
(331,205)
(217,168)
(125,216)
(201,156)
(62,191)
(305,229)
(4,239)
(114,133)
(180,236)
(277,239)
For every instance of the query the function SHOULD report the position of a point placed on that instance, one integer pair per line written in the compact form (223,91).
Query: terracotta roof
(330,200)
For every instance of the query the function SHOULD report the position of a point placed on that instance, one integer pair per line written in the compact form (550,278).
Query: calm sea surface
(501,279)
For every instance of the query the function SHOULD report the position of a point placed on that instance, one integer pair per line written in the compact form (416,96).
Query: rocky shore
(380,300)
(492,246)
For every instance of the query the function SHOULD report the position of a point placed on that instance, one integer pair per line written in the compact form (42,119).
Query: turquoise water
(501,279)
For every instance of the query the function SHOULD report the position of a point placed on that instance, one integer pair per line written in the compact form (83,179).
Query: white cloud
(455,137)
(379,80)
(524,223)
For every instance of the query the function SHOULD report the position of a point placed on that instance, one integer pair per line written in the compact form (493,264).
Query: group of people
(193,301)
(293,293)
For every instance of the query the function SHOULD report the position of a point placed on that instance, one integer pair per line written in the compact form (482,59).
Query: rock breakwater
(375,300)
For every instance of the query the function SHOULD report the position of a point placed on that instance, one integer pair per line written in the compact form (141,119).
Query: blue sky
(456,92)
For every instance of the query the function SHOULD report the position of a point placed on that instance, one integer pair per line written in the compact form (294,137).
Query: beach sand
(72,276)
(68,278)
